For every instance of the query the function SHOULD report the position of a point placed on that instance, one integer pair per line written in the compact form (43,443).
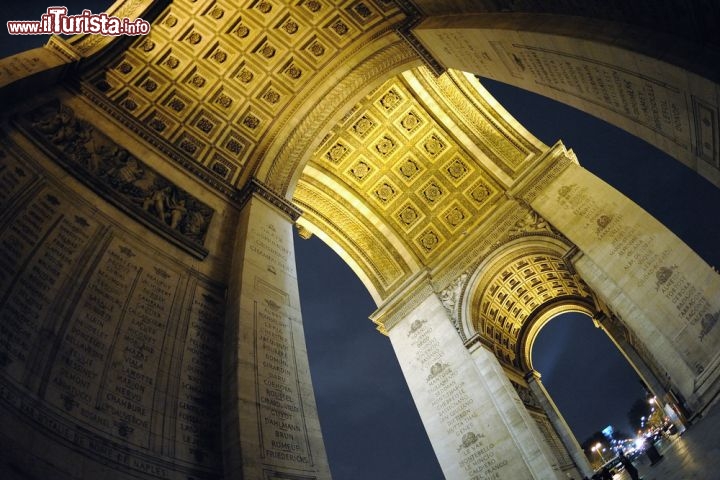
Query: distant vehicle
(614,465)
(633,454)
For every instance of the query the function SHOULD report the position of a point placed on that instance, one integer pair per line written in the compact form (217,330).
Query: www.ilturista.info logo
(57,21)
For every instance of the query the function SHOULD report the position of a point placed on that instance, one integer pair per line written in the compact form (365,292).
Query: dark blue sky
(370,425)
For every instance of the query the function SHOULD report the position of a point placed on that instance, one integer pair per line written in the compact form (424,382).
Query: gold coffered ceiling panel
(214,77)
(409,170)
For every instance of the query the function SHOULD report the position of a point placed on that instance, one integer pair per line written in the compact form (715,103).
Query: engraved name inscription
(641,256)
(269,245)
(198,425)
(455,407)
(651,102)
(281,417)
(109,358)
(38,253)
(14,178)
(89,325)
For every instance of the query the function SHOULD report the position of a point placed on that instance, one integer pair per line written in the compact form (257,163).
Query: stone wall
(112,291)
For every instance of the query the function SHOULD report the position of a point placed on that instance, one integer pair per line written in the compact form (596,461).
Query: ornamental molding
(259,189)
(314,125)
(451,298)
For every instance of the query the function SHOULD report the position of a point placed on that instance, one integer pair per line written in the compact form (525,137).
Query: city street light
(597,448)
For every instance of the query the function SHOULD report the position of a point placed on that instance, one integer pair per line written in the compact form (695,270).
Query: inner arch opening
(586,375)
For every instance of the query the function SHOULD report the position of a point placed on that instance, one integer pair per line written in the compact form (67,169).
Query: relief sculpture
(119,176)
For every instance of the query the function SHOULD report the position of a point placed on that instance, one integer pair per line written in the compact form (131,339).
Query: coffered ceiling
(215,78)
(405,177)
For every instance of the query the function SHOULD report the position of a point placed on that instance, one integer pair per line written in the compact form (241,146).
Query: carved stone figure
(115,172)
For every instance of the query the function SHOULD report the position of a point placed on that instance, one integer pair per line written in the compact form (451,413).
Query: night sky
(369,422)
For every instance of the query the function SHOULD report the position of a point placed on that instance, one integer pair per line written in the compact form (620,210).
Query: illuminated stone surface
(149,317)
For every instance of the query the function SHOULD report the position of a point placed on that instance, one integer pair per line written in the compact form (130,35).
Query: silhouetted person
(652,453)
(629,467)
(605,474)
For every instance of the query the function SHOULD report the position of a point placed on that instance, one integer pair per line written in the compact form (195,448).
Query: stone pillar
(663,292)
(515,415)
(558,422)
(270,423)
(529,52)
(470,411)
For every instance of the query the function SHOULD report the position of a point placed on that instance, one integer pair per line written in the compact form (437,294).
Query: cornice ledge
(546,168)
(259,189)
(402,301)
(414,17)
(63,48)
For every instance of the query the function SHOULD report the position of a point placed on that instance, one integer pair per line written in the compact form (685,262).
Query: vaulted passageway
(151,321)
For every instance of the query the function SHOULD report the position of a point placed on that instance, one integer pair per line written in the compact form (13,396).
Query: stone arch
(514,288)
(478,278)
(234,153)
(655,79)
(423,188)
(506,295)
